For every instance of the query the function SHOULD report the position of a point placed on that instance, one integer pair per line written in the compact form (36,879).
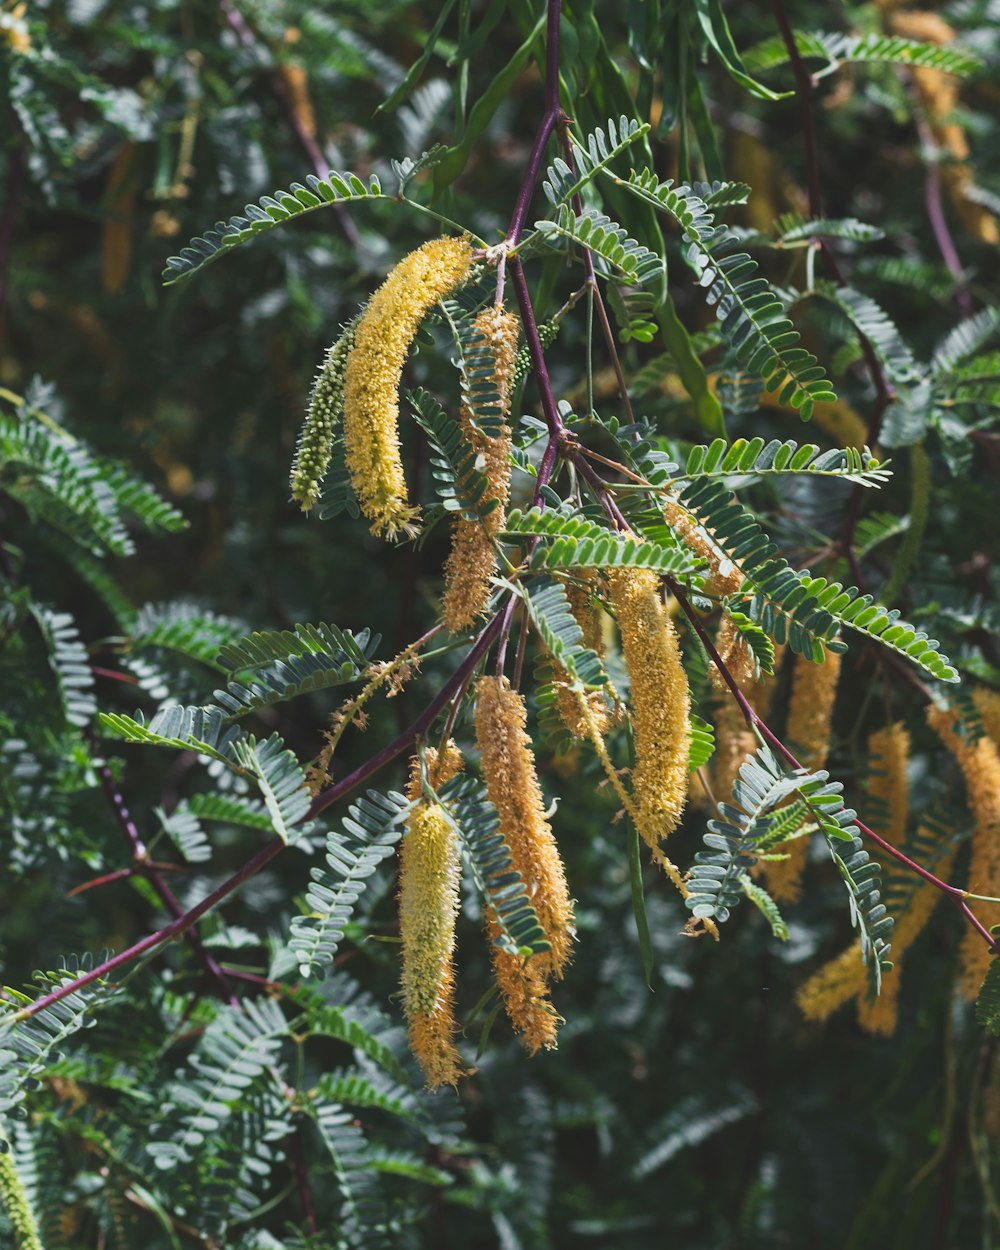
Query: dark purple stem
(939,224)
(552,115)
(241,28)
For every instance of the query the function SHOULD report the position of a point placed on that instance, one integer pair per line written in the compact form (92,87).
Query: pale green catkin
(14,1201)
(318,434)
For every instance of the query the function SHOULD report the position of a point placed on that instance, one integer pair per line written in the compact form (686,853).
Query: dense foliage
(653,463)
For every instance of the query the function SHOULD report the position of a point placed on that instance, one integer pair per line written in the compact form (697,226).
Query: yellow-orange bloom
(472,562)
(724,578)
(889,756)
(810,714)
(987,703)
(374,367)
(660,700)
(980,765)
(428,907)
(596,718)
(509,773)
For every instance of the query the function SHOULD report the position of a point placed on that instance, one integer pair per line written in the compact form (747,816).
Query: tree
(607,572)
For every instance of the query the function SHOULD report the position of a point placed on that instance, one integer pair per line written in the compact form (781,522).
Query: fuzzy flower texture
(374,368)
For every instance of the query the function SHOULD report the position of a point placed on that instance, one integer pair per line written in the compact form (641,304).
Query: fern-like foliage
(263,648)
(549,610)
(593,154)
(460,483)
(878,327)
(269,211)
(363,1216)
(838,49)
(476,369)
(370,831)
(185,628)
(804,611)
(572,542)
(202,729)
(57,478)
(749,312)
(286,664)
(988,1002)
(606,240)
(30,1045)
(477,824)
(184,830)
(765,458)
(280,779)
(702,744)
(717,879)
(234,1052)
(794,231)
(69,661)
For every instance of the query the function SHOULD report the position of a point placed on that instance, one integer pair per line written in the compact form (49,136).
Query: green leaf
(475,820)
(713,23)
(840,49)
(549,609)
(269,211)
(605,239)
(482,112)
(415,72)
(459,481)
(371,829)
(69,661)
(750,314)
(579,543)
(988,1002)
(280,779)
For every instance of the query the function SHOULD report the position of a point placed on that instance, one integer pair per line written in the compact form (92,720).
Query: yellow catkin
(14,29)
(987,704)
(980,765)
(660,700)
(810,713)
(888,758)
(429,877)
(509,773)
(836,983)
(723,577)
(374,367)
(116,239)
(939,97)
(15,1202)
(734,653)
(581,723)
(472,562)
(734,739)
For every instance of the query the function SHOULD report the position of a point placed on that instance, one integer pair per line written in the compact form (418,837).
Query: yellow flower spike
(833,985)
(509,773)
(429,877)
(472,562)
(810,713)
(661,703)
(724,578)
(326,406)
(980,765)
(987,703)
(508,768)
(374,367)
(596,720)
(15,1202)
(889,755)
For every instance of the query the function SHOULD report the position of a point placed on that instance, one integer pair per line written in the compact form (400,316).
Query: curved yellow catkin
(581,723)
(723,578)
(660,701)
(14,1200)
(472,562)
(508,770)
(316,438)
(810,713)
(980,765)
(429,876)
(382,341)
